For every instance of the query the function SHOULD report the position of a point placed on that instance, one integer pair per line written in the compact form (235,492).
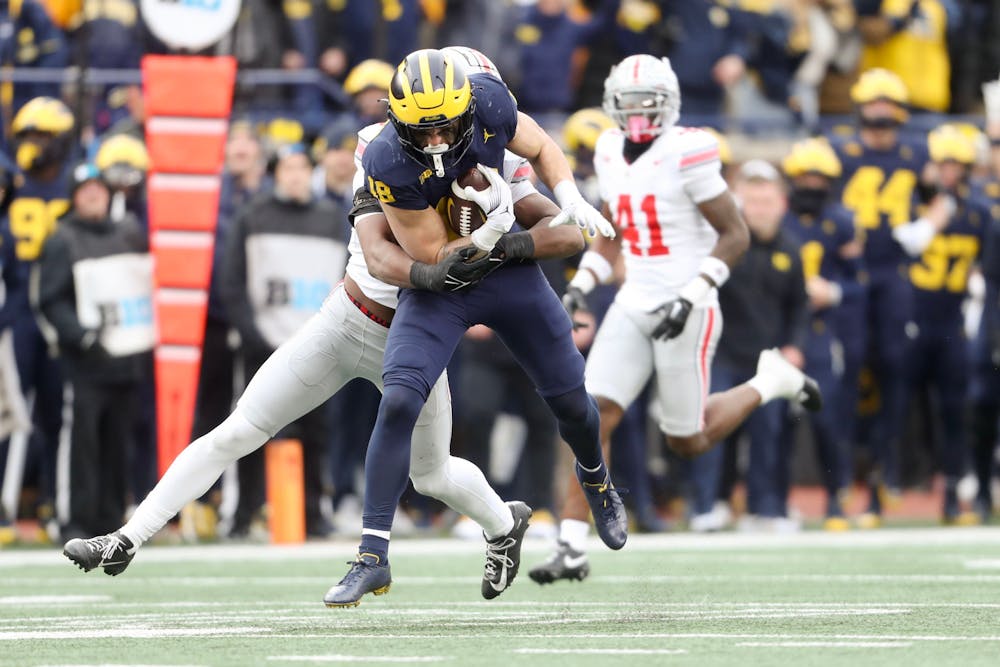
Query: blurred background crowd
(763,74)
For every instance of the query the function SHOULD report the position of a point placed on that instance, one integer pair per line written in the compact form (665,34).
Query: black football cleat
(503,554)
(367,575)
(112,552)
(564,563)
(608,509)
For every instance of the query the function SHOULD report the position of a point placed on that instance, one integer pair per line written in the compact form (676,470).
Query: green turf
(923,599)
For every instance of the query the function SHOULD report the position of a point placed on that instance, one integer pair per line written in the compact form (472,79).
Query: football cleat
(112,552)
(564,563)
(606,505)
(367,575)
(503,554)
(793,383)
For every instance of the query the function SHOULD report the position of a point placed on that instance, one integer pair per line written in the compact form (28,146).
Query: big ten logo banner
(115,296)
(190,24)
(288,276)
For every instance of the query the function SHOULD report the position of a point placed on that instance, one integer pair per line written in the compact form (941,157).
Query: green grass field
(892,597)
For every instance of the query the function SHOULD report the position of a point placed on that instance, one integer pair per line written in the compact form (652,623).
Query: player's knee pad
(573,406)
(400,403)
(433,482)
(237,436)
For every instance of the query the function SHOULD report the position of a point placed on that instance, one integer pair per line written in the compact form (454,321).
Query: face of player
(880,124)
(293,178)
(90,202)
(950,174)
(437,138)
(643,116)
(764,204)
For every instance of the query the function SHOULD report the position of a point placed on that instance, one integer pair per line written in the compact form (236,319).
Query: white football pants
(335,346)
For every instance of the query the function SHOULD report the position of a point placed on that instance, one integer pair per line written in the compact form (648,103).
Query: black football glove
(575,300)
(675,315)
(455,273)
(516,245)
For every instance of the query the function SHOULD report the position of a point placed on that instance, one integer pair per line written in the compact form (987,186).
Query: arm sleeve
(54,296)
(234,284)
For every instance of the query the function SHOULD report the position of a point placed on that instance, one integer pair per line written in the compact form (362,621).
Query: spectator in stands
(284,253)
(28,39)
(368,86)
(95,300)
(709,53)
(765,305)
(910,38)
(105,35)
(545,37)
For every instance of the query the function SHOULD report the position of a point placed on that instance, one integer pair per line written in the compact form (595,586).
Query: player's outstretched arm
(532,142)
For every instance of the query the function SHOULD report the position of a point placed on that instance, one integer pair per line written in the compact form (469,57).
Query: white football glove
(577,210)
(497,203)
(991,99)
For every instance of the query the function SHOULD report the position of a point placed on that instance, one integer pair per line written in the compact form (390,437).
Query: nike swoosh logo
(574,562)
(502,586)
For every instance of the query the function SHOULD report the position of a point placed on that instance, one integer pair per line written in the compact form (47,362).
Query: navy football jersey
(878,188)
(398,180)
(941,276)
(31,218)
(821,240)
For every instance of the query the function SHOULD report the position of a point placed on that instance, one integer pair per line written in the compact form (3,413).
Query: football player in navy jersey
(442,123)
(882,168)
(42,143)
(831,256)
(940,276)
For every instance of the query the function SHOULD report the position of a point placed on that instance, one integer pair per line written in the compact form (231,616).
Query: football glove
(575,300)
(675,314)
(457,272)
(496,202)
(577,210)
(518,245)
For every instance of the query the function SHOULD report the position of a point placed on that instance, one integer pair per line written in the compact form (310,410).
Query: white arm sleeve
(914,236)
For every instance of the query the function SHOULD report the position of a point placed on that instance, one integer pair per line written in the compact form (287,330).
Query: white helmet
(642,95)
(473,61)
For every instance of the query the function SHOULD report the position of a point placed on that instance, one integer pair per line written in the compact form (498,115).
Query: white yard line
(827,644)
(600,651)
(130,633)
(53,599)
(674,542)
(359,658)
(982,564)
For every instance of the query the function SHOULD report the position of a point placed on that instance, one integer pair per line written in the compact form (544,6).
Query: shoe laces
(107,545)
(605,489)
(496,556)
(357,568)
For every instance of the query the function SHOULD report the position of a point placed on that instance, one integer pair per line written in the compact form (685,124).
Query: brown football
(464,215)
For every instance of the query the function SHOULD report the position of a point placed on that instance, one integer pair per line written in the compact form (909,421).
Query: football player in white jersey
(679,232)
(346,340)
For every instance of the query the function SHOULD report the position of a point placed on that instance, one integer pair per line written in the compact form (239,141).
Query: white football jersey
(517,171)
(653,201)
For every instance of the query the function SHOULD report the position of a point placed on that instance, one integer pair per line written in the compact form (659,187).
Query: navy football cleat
(608,509)
(503,554)
(112,552)
(564,563)
(367,575)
